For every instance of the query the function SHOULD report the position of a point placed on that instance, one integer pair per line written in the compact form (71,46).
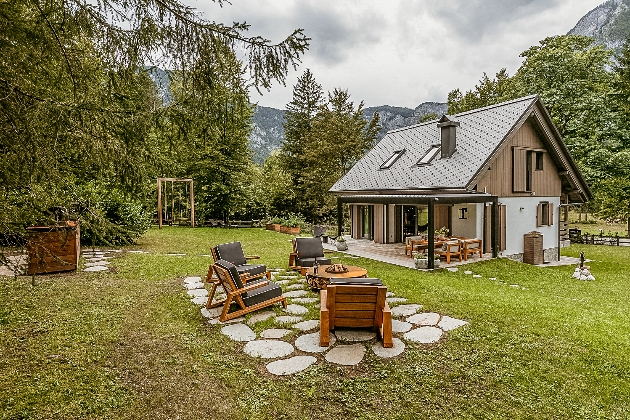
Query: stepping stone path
(96,260)
(347,346)
(96,268)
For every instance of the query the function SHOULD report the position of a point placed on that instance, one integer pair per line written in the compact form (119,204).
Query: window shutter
(519,169)
(502,227)
(550,214)
(539,215)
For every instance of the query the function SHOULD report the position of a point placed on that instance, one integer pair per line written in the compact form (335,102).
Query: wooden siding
(379,223)
(499,179)
(356,225)
(441,214)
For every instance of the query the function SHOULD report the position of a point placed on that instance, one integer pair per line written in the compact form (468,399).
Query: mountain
(608,23)
(268,133)
(393,117)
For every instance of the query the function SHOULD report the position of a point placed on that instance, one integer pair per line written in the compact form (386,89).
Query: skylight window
(392,159)
(429,155)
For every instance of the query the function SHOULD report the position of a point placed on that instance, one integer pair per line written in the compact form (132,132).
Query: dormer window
(392,159)
(429,155)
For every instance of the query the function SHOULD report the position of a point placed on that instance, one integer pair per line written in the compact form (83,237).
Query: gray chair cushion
(308,262)
(253,270)
(232,272)
(232,252)
(364,281)
(309,247)
(262,294)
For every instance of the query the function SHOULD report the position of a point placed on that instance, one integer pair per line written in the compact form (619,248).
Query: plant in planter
(421,260)
(442,232)
(291,224)
(341,244)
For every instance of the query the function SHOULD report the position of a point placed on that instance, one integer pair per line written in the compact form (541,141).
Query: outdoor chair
(471,247)
(355,305)
(253,296)
(450,249)
(306,251)
(233,252)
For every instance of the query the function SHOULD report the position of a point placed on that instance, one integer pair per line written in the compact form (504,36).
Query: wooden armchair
(471,247)
(233,252)
(305,252)
(347,305)
(253,296)
(450,249)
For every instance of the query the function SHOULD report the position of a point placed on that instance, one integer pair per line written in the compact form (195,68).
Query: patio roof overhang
(430,200)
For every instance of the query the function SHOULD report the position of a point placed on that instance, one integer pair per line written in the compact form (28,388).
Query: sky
(397,52)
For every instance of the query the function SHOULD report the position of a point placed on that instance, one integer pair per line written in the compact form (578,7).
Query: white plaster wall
(479,226)
(519,222)
(465,227)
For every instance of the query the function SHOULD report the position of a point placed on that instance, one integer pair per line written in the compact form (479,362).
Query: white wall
(465,227)
(519,222)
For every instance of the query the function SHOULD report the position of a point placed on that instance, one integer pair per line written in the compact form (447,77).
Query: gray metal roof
(479,134)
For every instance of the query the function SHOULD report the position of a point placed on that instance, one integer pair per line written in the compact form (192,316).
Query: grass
(593,225)
(127,343)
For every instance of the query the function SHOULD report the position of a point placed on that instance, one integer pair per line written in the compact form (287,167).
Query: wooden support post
(431,232)
(192,205)
(339,216)
(159,187)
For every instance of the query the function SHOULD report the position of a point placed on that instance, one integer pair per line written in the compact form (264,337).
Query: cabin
(494,173)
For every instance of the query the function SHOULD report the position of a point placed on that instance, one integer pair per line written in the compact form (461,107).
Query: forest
(86,131)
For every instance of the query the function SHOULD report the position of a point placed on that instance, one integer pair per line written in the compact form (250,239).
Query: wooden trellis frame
(192,198)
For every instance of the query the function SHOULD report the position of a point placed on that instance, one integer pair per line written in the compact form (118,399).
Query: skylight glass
(389,162)
(429,155)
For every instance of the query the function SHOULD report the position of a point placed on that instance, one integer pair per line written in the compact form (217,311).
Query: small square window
(429,155)
(392,159)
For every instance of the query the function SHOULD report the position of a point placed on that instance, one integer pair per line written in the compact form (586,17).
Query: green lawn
(127,343)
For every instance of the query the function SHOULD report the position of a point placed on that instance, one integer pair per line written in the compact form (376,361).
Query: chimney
(447,128)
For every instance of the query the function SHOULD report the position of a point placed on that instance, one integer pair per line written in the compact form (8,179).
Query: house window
(392,159)
(539,161)
(544,214)
(429,155)
(462,213)
(522,167)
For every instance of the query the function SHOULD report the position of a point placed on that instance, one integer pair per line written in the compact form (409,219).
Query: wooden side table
(322,278)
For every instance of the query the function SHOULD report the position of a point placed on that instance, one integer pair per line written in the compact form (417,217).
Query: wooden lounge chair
(305,252)
(471,247)
(450,249)
(253,296)
(233,252)
(353,305)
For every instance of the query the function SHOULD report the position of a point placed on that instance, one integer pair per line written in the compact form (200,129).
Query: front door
(410,218)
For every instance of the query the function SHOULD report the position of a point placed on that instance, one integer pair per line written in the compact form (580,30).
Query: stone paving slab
(354,335)
(200,300)
(296,309)
(307,325)
(211,313)
(400,326)
(347,355)
(424,335)
(309,343)
(274,333)
(288,319)
(261,316)
(188,280)
(97,263)
(197,293)
(297,286)
(295,293)
(386,353)
(283,282)
(447,323)
(427,318)
(217,321)
(395,300)
(268,349)
(305,300)
(238,332)
(192,286)
(96,268)
(291,365)
(406,310)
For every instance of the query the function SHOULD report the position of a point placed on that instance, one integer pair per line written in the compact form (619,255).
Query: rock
(427,318)
(305,300)
(307,325)
(467,272)
(216,321)
(452,269)
(239,332)
(296,309)
(424,335)
(291,365)
(383,352)
(477,276)
(200,300)
(354,335)
(295,293)
(260,316)
(192,280)
(286,319)
(310,343)
(395,300)
(297,286)
(95,264)
(274,333)
(406,310)
(95,268)
(447,323)
(268,349)
(390,294)
(347,355)
(400,326)
(211,313)
(192,286)
(197,293)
